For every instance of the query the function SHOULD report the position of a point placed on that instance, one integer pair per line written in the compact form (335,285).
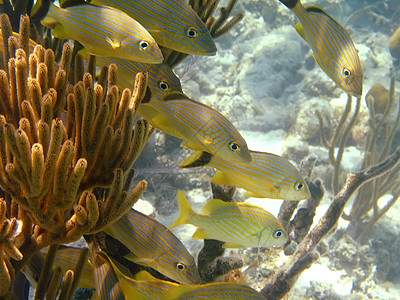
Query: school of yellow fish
(127,34)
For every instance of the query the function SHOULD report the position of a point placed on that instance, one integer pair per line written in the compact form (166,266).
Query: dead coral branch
(305,253)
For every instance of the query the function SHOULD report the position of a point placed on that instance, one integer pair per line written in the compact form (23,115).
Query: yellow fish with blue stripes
(32,43)
(161,79)
(201,127)
(67,257)
(266,176)
(239,225)
(332,47)
(103,31)
(143,286)
(214,291)
(107,285)
(173,23)
(154,246)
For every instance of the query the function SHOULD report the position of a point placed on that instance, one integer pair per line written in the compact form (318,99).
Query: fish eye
(163,85)
(234,147)
(278,234)
(299,185)
(180,266)
(346,72)
(144,45)
(191,32)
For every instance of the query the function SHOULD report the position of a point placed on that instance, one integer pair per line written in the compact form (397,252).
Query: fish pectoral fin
(49,21)
(231,245)
(198,159)
(199,234)
(208,141)
(221,178)
(154,30)
(113,44)
(140,260)
(252,194)
(191,145)
(144,275)
(84,53)
(300,30)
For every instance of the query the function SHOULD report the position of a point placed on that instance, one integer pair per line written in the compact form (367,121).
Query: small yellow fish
(66,258)
(239,225)
(32,43)
(107,285)
(172,23)
(266,176)
(333,49)
(153,245)
(103,31)
(214,291)
(201,127)
(143,286)
(161,80)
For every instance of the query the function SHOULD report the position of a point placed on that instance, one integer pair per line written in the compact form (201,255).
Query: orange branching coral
(59,141)
(9,229)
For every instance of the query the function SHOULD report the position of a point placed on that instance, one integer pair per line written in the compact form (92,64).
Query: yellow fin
(216,204)
(199,234)
(221,178)
(191,145)
(230,245)
(300,30)
(180,290)
(191,159)
(84,53)
(175,96)
(198,159)
(145,276)
(113,44)
(49,22)
(140,260)
(186,211)
(252,194)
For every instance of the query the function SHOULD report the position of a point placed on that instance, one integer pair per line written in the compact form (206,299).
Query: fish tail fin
(185,210)
(198,159)
(40,9)
(290,3)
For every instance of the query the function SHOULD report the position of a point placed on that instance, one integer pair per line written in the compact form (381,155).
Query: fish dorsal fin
(300,30)
(216,204)
(144,276)
(175,96)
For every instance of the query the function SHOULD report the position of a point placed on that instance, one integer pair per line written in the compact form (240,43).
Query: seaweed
(380,143)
